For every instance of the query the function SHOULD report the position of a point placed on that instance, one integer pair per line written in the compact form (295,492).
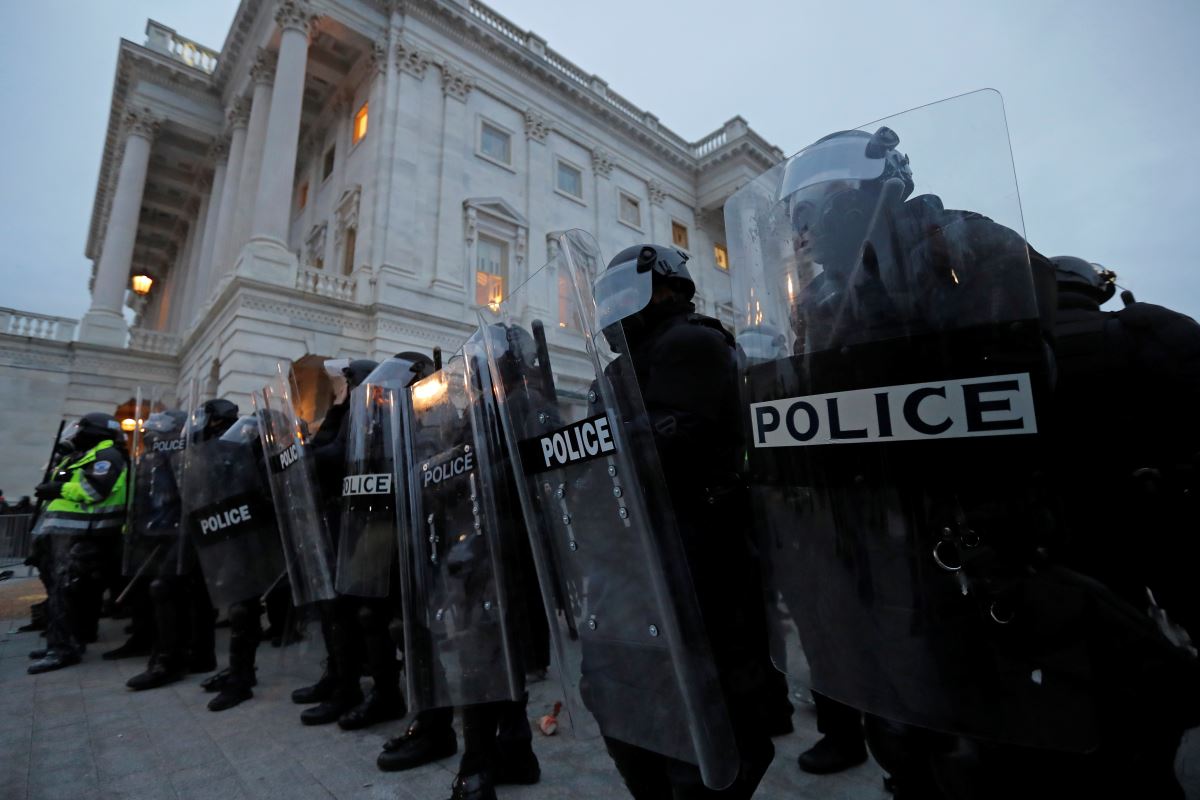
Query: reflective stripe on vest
(65,516)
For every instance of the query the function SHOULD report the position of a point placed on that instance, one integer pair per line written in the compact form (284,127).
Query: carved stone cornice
(263,70)
(456,83)
(239,114)
(602,162)
(537,126)
(295,15)
(656,192)
(140,122)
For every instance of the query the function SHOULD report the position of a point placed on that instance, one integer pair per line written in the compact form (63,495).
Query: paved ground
(79,733)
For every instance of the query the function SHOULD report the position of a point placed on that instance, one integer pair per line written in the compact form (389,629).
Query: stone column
(202,283)
(185,282)
(412,157)
(273,202)
(222,250)
(378,130)
(104,323)
(263,73)
(450,275)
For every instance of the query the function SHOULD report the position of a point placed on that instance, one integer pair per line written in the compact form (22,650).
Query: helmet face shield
(161,423)
(244,431)
(841,158)
(70,432)
(621,292)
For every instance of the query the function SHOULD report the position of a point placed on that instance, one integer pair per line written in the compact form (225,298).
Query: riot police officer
(82,521)
(685,365)
(1124,431)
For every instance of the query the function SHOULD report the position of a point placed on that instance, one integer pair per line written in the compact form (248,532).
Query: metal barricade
(15,538)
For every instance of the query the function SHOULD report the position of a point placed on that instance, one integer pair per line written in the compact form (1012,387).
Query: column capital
(140,122)
(656,191)
(218,148)
(602,162)
(537,125)
(295,15)
(456,83)
(263,70)
(239,114)
(379,56)
(411,60)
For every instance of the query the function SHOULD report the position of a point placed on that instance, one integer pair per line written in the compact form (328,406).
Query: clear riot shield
(894,364)
(461,642)
(366,556)
(227,512)
(627,633)
(152,533)
(298,507)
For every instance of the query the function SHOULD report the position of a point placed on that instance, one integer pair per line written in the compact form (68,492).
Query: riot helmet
(831,192)
(1076,275)
(402,369)
(92,429)
(213,418)
(163,425)
(244,431)
(624,293)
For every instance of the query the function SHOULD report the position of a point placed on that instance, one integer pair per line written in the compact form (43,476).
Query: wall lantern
(142,284)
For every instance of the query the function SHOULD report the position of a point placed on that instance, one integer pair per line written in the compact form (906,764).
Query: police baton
(138,574)
(37,511)
(543,356)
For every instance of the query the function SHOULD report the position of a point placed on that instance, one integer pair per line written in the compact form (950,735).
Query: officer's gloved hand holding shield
(628,642)
(894,428)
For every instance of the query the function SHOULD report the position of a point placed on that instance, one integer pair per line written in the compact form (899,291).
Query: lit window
(495,143)
(302,201)
(631,210)
(721,255)
(360,124)
(679,235)
(491,267)
(566,305)
(569,180)
(327,167)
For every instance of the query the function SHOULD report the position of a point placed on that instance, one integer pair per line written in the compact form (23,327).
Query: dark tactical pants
(75,584)
(245,632)
(493,732)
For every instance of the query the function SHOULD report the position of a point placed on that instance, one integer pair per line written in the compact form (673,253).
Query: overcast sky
(1103,102)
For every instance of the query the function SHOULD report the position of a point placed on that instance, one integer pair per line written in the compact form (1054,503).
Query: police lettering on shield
(995,405)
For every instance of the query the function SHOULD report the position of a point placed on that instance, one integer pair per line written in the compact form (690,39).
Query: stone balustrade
(325,284)
(36,326)
(165,40)
(150,341)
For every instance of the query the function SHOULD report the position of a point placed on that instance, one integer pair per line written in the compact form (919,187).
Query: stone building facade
(346,178)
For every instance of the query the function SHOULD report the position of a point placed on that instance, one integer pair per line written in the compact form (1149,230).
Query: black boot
(136,646)
(472,787)
(831,755)
(520,769)
(215,683)
(319,692)
(52,661)
(418,746)
(39,654)
(378,707)
(161,672)
(332,709)
(235,690)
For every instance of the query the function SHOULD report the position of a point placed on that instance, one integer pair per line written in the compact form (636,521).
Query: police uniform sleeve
(687,386)
(98,478)
(1168,344)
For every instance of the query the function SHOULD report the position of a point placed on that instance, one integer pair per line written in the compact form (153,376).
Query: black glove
(51,490)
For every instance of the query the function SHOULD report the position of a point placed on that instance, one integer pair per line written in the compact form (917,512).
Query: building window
(721,255)
(495,143)
(302,199)
(491,269)
(679,235)
(567,318)
(630,210)
(351,237)
(360,125)
(569,180)
(327,165)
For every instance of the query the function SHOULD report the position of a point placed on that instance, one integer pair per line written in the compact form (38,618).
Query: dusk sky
(1102,97)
